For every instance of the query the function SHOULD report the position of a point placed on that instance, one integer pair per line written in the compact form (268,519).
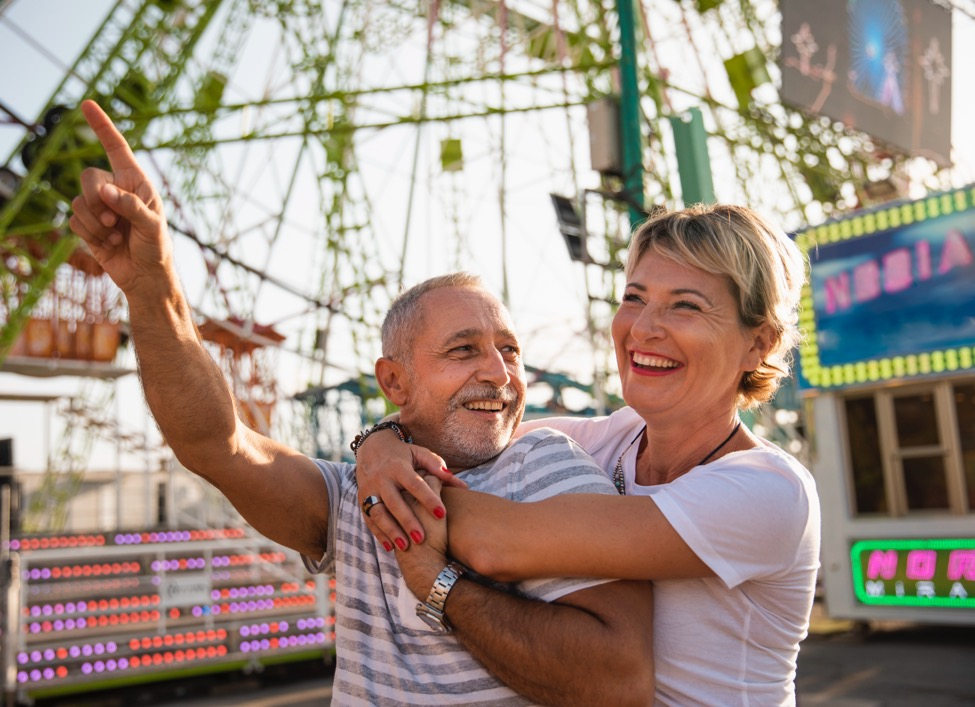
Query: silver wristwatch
(432,610)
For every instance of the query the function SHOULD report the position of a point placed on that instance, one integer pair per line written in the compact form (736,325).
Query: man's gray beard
(465,447)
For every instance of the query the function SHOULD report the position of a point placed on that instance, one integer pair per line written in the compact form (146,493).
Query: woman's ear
(762,339)
(393,379)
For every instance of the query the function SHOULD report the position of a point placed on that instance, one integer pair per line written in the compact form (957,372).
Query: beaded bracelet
(400,430)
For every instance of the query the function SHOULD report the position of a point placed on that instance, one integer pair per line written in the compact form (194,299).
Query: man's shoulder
(544,446)
(543,435)
(542,463)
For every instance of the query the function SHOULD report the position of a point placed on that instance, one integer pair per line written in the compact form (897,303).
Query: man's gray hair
(404,317)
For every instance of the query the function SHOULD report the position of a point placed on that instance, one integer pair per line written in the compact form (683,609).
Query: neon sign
(936,573)
(891,293)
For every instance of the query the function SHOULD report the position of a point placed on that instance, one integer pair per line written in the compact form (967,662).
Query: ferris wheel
(315,156)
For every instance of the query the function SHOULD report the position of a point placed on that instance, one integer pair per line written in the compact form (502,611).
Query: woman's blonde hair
(764,267)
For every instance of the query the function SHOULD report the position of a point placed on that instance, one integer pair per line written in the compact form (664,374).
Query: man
(451,362)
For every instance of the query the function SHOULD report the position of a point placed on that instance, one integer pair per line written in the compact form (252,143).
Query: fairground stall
(95,611)
(888,373)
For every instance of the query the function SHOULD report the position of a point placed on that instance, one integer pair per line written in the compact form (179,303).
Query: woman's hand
(392,470)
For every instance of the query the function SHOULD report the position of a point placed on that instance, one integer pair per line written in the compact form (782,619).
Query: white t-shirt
(753,518)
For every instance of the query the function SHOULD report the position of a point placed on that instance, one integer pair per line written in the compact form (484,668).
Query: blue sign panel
(891,293)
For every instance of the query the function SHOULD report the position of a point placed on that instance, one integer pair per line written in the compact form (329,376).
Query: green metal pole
(630,114)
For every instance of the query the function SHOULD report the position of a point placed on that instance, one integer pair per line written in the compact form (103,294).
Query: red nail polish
(445,470)
(387,547)
(400,543)
(417,536)
(439,512)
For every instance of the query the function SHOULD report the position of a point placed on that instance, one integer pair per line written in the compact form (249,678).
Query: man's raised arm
(120,216)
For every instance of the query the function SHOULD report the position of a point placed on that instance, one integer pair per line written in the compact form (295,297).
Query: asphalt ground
(886,664)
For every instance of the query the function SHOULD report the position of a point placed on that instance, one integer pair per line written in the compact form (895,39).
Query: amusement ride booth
(887,368)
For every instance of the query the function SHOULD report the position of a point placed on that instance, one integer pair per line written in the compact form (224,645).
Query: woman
(723,522)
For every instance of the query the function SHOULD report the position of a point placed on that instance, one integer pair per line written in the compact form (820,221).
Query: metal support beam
(630,113)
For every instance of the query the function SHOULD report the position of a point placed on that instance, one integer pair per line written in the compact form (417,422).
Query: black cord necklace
(726,440)
(620,483)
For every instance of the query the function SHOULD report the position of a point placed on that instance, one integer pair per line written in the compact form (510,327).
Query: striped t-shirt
(386,655)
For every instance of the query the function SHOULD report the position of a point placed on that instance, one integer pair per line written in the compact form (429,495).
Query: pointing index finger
(119,153)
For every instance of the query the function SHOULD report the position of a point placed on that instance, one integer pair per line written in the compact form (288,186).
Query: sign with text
(937,573)
(891,293)
(186,589)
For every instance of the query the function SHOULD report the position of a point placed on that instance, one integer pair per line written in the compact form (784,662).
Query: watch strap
(445,581)
(433,609)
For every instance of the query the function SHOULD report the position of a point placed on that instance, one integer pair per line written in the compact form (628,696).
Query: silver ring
(368,504)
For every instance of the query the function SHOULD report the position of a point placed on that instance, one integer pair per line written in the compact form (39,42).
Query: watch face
(431,619)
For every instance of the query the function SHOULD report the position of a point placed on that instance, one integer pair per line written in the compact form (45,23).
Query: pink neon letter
(921,564)
(866,281)
(956,253)
(882,563)
(837,292)
(961,564)
(922,251)
(897,270)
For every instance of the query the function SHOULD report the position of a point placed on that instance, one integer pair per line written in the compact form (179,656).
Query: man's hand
(421,565)
(119,214)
